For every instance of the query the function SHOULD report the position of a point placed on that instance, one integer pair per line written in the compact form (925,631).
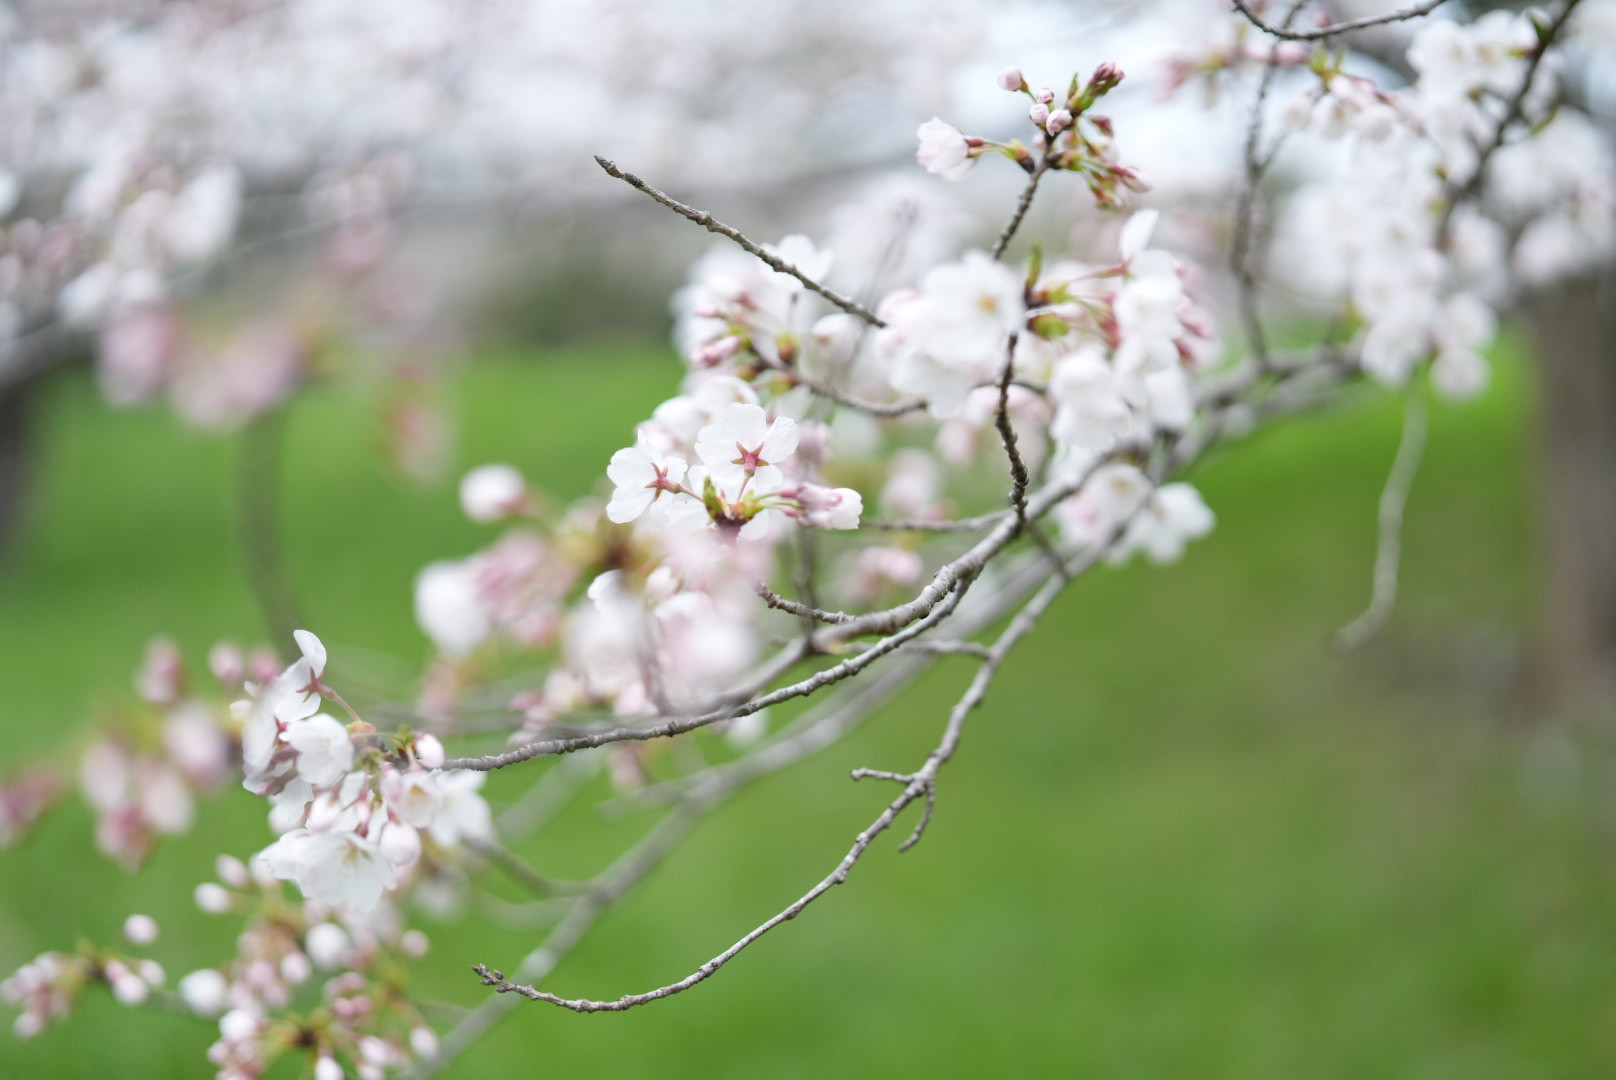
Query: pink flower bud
(491,492)
(423,1041)
(140,929)
(414,943)
(130,989)
(1038,114)
(205,992)
(715,352)
(161,679)
(1058,121)
(213,898)
(429,751)
(295,968)
(231,870)
(1010,79)
(228,664)
(1106,76)
(400,844)
(1044,96)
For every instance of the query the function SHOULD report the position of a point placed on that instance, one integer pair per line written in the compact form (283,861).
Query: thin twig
(793,607)
(962,525)
(1461,192)
(918,785)
(712,224)
(1242,243)
(1019,478)
(1284,31)
(1393,500)
(680,725)
(1023,204)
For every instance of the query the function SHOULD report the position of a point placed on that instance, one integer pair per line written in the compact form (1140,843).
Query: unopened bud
(140,929)
(1058,121)
(1038,114)
(429,751)
(213,898)
(1010,79)
(1105,77)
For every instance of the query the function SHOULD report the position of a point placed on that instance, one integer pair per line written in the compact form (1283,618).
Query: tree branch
(1023,204)
(1284,30)
(712,224)
(1393,500)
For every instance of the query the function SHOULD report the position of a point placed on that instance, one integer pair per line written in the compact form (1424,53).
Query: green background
(1184,838)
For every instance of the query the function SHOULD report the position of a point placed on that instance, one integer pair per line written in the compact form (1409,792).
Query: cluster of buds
(1070,136)
(143,775)
(49,986)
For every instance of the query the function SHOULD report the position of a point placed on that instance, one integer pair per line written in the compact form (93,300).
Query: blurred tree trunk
(14,406)
(1574,331)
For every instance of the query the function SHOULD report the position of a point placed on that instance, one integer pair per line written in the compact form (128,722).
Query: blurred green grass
(1183,838)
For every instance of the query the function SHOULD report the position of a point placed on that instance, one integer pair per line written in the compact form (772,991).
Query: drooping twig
(1319,33)
(1393,501)
(712,224)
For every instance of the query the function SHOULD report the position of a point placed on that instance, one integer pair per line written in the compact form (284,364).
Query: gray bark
(1574,331)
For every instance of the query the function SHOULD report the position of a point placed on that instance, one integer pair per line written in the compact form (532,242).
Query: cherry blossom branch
(960,525)
(818,730)
(793,607)
(1242,242)
(679,725)
(917,785)
(1462,192)
(1023,204)
(1393,500)
(712,224)
(1284,31)
(1019,478)
(811,735)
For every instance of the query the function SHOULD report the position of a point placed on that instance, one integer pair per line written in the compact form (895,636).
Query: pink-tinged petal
(313,651)
(628,503)
(630,467)
(1136,234)
(747,424)
(767,480)
(715,446)
(781,440)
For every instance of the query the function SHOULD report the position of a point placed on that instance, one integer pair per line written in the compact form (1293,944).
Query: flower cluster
(351,819)
(1420,275)
(1068,136)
